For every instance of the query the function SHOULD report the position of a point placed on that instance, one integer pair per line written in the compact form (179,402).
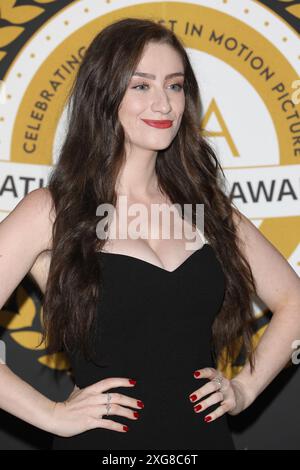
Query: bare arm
(278,286)
(24,234)
(22,400)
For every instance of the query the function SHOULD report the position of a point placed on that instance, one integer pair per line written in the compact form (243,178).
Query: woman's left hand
(230,394)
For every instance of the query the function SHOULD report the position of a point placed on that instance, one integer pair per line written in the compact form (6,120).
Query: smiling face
(155,97)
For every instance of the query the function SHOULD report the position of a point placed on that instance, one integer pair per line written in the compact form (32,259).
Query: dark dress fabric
(156,328)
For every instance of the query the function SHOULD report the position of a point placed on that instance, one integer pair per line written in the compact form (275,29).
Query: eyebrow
(150,75)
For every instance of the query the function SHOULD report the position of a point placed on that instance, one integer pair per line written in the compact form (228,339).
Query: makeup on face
(158,123)
(150,76)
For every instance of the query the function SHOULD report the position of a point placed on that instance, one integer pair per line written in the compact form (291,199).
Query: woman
(146,323)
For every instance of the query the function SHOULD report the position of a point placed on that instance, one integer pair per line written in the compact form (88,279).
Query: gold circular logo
(245,59)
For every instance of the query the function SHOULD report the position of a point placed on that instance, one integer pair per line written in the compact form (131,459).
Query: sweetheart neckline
(151,265)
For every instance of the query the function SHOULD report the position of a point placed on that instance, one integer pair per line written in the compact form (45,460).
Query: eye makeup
(178,85)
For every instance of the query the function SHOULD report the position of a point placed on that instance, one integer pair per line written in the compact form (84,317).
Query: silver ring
(219,380)
(108,405)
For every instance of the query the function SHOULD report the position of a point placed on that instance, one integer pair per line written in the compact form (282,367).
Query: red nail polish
(197,373)
(193,397)
(198,407)
(132,381)
(135,414)
(140,404)
(126,428)
(207,418)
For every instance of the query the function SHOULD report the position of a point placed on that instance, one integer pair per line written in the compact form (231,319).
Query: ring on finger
(108,404)
(219,381)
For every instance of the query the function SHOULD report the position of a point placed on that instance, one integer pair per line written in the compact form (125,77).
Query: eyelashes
(180,87)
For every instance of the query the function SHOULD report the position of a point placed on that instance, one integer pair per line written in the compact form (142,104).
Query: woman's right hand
(84,408)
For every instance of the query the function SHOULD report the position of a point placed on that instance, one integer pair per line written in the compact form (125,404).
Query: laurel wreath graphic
(17,15)
(19,324)
(292,9)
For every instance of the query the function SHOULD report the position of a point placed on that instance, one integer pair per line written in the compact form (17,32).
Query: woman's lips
(160,124)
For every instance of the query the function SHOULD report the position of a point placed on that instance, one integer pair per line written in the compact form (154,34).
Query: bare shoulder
(277,282)
(246,230)
(29,222)
(40,200)
(38,208)
(251,240)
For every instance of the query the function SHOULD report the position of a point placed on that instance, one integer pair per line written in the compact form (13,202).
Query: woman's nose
(161,102)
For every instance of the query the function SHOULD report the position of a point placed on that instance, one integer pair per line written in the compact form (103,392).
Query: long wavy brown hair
(188,172)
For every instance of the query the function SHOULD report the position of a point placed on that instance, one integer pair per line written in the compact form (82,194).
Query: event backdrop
(246,58)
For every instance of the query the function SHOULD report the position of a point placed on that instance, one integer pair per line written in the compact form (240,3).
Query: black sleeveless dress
(155,328)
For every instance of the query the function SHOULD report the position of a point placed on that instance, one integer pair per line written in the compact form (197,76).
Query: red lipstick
(159,124)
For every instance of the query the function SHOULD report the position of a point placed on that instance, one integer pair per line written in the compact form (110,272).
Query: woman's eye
(178,85)
(146,85)
(137,86)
